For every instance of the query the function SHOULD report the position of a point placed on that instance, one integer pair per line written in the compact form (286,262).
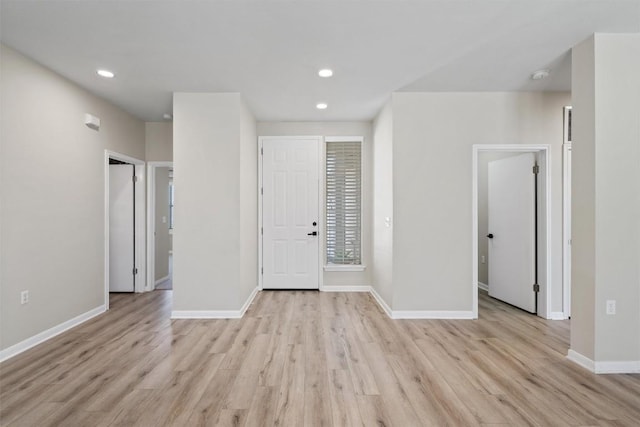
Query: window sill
(335,267)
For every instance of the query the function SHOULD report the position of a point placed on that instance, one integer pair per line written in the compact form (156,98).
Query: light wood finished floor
(309,358)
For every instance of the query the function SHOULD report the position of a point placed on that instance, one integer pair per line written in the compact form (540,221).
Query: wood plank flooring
(314,359)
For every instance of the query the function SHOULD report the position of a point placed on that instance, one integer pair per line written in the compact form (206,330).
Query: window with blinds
(344,202)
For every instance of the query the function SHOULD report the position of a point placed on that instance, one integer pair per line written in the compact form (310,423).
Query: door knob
(490,236)
(313,233)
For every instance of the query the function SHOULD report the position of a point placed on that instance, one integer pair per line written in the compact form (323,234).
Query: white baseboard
(618,367)
(249,301)
(215,314)
(432,314)
(557,315)
(419,314)
(351,288)
(581,360)
(25,345)
(381,302)
(605,367)
(483,286)
(162,279)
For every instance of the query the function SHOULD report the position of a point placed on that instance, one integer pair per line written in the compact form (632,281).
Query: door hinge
(261,230)
(135,271)
(261,270)
(261,151)
(262,191)
(536,287)
(536,169)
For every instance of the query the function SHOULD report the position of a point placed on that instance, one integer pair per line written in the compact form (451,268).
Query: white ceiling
(271,50)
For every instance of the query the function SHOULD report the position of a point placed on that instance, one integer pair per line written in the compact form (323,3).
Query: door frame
(543,150)
(139,221)
(566,235)
(320,143)
(151,221)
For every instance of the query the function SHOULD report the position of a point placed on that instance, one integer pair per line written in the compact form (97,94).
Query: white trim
(25,345)
(160,280)
(483,286)
(618,367)
(431,314)
(359,139)
(139,222)
(215,314)
(320,142)
(544,307)
(335,267)
(419,314)
(151,219)
(346,288)
(557,315)
(566,235)
(581,360)
(381,302)
(605,367)
(249,301)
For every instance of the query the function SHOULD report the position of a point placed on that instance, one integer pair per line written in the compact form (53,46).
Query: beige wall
(52,195)
(606,198)
(433,134)
(162,236)
(583,199)
(158,141)
(211,133)
(248,176)
(333,278)
(382,273)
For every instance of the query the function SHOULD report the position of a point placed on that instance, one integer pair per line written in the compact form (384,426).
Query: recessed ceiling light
(321,106)
(540,74)
(106,73)
(325,72)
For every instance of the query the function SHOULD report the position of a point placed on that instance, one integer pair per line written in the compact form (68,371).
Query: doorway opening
(160,202)
(482,155)
(124,224)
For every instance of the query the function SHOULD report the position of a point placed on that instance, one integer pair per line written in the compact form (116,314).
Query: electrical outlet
(24,297)
(611,306)
(482,259)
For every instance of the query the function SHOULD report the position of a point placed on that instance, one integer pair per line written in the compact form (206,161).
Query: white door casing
(121,228)
(290,207)
(566,230)
(511,217)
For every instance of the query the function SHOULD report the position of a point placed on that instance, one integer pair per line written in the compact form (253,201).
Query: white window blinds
(343,209)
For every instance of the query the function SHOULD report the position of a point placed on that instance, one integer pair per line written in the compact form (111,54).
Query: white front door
(511,217)
(290,214)
(121,228)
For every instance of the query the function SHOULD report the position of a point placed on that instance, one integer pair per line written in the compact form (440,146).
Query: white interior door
(511,217)
(290,218)
(121,228)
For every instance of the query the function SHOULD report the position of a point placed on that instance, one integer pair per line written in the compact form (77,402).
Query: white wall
(433,134)
(211,136)
(52,195)
(332,278)
(158,141)
(382,274)
(606,198)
